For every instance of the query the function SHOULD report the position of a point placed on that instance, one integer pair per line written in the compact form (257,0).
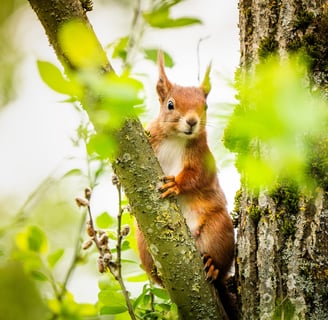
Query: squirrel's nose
(192,122)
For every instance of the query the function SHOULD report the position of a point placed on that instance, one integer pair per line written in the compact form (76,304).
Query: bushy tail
(228,299)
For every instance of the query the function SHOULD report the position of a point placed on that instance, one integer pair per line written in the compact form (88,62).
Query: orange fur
(178,137)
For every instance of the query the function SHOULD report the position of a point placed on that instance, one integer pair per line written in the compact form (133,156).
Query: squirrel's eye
(170,105)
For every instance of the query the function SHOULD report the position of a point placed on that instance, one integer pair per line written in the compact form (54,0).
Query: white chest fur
(170,155)
(190,215)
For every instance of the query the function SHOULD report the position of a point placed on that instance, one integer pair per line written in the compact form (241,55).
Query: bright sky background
(35,129)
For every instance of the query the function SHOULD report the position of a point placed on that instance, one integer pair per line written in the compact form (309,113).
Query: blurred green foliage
(159,16)
(19,295)
(276,116)
(10,53)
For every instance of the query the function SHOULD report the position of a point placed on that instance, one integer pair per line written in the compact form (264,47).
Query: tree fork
(136,166)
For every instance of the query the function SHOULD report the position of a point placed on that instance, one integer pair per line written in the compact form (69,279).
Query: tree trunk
(138,170)
(282,245)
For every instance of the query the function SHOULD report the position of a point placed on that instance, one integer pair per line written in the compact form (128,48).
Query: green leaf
(160,293)
(102,144)
(38,275)
(87,310)
(140,299)
(123,316)
(37,239)
(161,19)
(53,77)
(125,261)
(125,245)
(112,310)
(138,278)
(81,46)
(121,98)
(151,54)
(54,257)
(73,172)
(113,302)
(104,221)
(120,48)
(33,239)
(107,282)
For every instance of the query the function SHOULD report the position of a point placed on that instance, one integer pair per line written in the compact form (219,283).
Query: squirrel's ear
(163,84)
(206,84)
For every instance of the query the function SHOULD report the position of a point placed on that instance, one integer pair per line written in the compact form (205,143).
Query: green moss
(286,197)
(237,204)
(303,20)
(310,36)
(284,310)
(255,213)
(288,227)
(268,47)
(318,161)
(294,44)
(316,44)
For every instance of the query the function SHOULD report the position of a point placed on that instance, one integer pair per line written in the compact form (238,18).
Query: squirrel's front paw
(212,272)
(169,187)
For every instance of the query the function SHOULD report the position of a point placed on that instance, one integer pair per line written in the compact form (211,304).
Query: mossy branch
(138,170)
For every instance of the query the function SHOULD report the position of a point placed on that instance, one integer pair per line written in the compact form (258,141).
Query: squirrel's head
(183,109)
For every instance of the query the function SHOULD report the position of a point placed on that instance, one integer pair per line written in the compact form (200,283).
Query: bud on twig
(81,202)
(87,244)
(107,258)
(101,265)
(90,230)
(126,208)
(115,180)
(103,240)
(87,193)
(125,230)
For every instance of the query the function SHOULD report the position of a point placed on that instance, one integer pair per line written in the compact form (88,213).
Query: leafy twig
(100,238)
(120,233)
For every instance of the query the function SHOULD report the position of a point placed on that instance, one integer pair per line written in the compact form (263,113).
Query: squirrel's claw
(169,187)
(212,272)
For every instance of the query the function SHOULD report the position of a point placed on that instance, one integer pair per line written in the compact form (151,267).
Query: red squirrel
(178,138)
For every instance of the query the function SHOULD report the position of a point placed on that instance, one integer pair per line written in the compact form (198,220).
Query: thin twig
(119,233)
(100,238)
(118,252)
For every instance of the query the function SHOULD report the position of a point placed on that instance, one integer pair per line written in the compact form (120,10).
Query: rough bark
(282,244)
(170,241)
(138,170)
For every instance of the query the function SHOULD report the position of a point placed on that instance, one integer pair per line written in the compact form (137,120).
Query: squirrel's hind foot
(212,272)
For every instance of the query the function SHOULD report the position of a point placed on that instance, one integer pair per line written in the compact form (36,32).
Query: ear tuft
(206,84)
(163,83)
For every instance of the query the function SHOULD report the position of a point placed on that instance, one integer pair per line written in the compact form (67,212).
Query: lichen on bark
(282,241)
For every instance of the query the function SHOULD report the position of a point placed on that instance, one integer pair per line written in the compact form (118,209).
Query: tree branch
(138,170)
